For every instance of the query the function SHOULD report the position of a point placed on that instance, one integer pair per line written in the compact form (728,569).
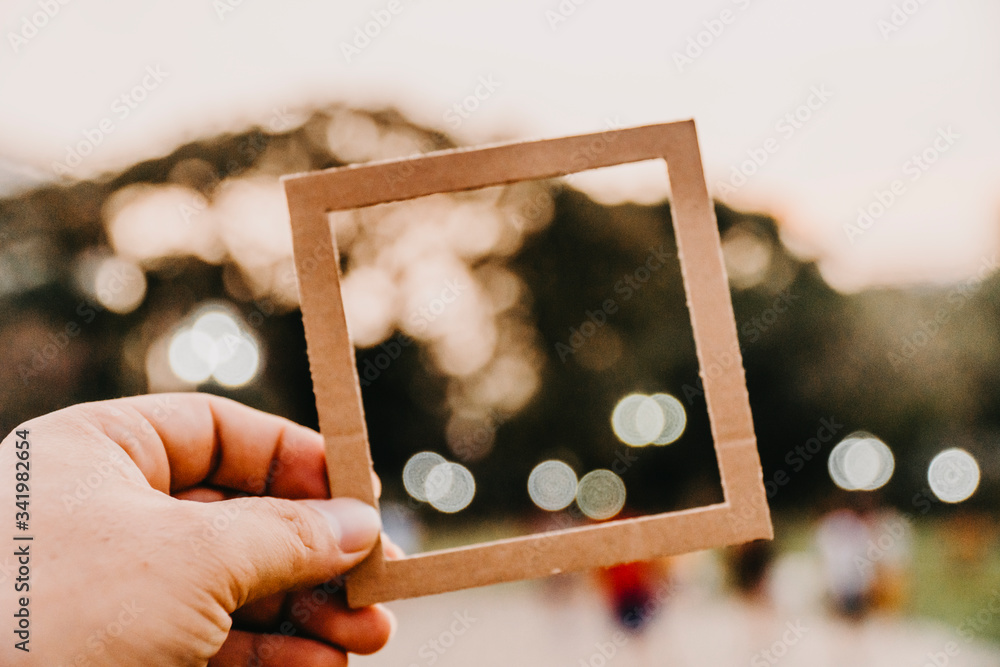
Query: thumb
(273,545)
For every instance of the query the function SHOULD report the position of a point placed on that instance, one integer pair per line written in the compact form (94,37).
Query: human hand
(128,568)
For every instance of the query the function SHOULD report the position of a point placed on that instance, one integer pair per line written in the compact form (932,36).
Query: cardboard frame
(743,516)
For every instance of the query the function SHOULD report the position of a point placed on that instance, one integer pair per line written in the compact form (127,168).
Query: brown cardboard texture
(744,514)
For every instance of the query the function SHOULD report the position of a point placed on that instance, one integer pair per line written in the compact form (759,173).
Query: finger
(391,550)
(182,440)
(262,615)
(208,494)
(204,494)
(361,631)
(246,648)
(271,545)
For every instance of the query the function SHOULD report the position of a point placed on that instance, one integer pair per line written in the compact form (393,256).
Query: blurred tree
(531,360)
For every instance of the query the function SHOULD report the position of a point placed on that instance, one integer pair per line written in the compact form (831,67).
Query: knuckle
(307,539)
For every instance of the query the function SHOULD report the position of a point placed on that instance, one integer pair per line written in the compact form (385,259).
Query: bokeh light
(861,462)
(552,485)
(119,285)
(600,494)
(449,487)
(188,354)
(368,294)
(953,475)
(240,363)
(148,222)
(432,268)
(116,283)
(747,257)
(416,471)
(466,294)
(214,346)
(674,419)
(639,420)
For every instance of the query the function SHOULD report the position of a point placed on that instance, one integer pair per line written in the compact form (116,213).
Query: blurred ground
(935,605)
(566,623)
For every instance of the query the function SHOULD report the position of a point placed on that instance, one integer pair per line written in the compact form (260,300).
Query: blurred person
(750,565)
(183,529)
(795,584)
(843,540)
(889,551)
(634,592)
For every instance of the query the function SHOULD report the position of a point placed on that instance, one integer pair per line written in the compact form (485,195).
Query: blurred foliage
(877,360)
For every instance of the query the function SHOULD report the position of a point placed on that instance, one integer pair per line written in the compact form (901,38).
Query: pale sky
(880,93)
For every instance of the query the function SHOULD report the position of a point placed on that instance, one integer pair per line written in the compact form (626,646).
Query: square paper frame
(743,516)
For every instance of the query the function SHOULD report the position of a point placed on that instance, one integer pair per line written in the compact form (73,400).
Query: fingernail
(356,524)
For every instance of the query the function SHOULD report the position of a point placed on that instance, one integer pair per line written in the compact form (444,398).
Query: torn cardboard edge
(744,515)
